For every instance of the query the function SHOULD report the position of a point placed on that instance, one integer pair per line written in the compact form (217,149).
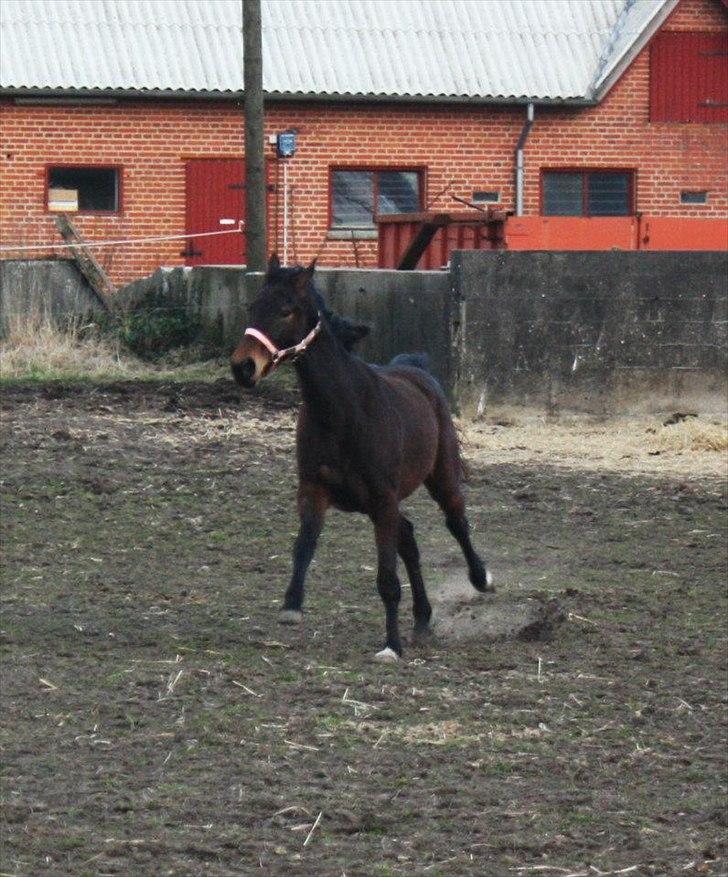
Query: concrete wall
(408,312)
(598,331)
(53,289)
(214,297)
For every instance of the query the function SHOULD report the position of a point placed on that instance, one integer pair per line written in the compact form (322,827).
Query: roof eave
(602,87)
(29,93)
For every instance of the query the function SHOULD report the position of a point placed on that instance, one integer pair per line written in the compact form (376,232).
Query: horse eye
(286,311)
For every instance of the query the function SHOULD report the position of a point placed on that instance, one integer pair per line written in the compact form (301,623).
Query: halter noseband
(277,355)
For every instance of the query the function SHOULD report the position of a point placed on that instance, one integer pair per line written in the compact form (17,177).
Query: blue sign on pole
(286,144)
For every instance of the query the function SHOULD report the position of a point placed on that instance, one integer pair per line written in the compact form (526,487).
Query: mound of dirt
(461,613)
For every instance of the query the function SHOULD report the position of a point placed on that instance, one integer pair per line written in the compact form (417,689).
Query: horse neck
(324,375)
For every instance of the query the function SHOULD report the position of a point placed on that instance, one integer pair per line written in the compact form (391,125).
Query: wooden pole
(254,137)
(97,278)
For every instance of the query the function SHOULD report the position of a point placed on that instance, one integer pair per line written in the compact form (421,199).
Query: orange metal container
(466,230)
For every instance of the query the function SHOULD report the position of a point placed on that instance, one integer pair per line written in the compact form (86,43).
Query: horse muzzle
(249,363)
(244,372)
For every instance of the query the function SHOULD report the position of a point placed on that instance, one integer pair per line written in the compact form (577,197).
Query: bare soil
(156,719)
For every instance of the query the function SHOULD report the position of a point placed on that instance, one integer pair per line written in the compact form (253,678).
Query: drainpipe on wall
(519,158)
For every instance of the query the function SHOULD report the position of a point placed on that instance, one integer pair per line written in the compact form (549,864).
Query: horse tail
(416,360)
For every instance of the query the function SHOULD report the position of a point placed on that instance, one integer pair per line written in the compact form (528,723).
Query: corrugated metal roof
(467,49)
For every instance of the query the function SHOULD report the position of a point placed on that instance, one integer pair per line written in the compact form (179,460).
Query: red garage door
(215,189)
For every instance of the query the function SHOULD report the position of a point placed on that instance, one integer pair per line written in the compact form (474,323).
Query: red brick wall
(466,148)
(698,15)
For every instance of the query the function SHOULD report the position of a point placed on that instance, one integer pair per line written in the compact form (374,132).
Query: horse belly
(418,459)
(347,493)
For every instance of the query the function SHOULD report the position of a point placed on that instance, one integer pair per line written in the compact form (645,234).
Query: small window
(83,189)
(693,197)
(587,193)
(488,197)
(358,195)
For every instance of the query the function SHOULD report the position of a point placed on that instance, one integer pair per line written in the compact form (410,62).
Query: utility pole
(254,137)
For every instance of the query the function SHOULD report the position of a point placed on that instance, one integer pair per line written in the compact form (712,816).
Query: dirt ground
(157,720)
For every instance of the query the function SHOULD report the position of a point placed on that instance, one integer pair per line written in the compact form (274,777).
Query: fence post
(256,253)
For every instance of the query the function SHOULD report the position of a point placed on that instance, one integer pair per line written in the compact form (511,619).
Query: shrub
(156,327)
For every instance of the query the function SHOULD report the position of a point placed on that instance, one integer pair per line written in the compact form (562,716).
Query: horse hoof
(387,656)
(290,616)
(484,583)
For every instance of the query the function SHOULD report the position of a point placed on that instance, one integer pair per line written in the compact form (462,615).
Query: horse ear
(360,331)
(304,278)
(274,263)
(352,333)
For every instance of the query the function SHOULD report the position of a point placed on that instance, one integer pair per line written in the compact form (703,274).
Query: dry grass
(35,348)
(692,435)
(641,444)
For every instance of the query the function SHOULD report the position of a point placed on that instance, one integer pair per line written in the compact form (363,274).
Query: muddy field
(157,720)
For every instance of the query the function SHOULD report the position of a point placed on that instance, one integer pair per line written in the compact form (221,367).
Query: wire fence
(118,242)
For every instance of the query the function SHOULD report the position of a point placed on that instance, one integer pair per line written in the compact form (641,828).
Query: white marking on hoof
(488,577)
(387,656)
(290,616)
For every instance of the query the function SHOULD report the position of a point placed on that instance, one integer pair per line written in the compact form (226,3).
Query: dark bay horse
(367,437)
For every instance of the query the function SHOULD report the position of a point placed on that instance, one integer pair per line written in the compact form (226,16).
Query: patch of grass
(70,843)
(35,349)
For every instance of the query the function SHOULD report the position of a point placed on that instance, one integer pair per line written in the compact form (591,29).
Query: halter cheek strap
(281,355)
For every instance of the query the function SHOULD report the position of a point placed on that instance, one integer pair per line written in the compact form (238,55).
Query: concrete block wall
(52,289)
(597,331)
(600,331)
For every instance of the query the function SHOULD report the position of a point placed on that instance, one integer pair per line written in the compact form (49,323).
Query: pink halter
(278,356)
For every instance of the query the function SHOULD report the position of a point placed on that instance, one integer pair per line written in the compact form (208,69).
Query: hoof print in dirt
(290,616)
(548,616)
(464,615)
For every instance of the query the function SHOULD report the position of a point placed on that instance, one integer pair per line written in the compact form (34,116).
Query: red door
(215,190)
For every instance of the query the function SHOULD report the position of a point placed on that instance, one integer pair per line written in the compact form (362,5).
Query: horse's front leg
(312,505)
(386,530)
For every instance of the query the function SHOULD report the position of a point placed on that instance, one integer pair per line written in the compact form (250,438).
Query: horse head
(285,318)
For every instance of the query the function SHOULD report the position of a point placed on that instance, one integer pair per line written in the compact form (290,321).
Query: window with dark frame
(587,193)
(83,189)
(358,195)
(700,197)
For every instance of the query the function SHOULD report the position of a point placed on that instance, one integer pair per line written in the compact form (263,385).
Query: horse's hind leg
(408,551)
(444,488)
(312,504)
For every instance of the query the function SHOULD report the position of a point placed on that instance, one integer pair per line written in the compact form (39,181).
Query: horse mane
(344,330)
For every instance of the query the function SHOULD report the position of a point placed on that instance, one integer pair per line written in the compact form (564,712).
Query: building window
(489,197)
(357,196)
(694,197)
(83,189)
(587,193)
(689,77)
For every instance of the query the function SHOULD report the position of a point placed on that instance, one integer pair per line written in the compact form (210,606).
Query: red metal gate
(426,240)
(215,191)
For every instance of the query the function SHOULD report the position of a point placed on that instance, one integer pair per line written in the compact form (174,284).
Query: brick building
(141,134)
